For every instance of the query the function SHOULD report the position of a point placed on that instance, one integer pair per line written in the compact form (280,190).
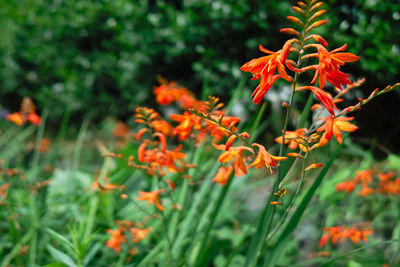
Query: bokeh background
(92,59)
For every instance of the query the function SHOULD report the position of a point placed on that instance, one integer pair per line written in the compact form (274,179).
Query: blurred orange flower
(357,233)
(116,239)
(187,122)
(139,234)
(26,113)
(222,175)
(152,198)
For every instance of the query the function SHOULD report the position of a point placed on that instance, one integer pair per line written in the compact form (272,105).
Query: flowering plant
(205,121)
(193,185)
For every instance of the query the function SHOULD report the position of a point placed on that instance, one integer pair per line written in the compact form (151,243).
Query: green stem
(168,244)
(303,173)
(14,252)
(199,252)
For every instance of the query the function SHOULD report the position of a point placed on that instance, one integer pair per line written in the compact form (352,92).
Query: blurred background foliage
(98,58)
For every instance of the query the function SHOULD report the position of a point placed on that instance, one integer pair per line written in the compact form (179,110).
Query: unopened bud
(296,20)
(314,166)
(296,155)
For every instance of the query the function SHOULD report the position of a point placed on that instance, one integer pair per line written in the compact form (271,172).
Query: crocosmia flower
(334,126)
(329,64)
(265,159)
(264,68)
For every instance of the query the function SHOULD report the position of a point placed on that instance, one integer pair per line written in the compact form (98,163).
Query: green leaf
(92,252)
(394,162)
(61,239)
(61,256)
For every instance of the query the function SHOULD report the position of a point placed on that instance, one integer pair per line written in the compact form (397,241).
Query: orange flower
(323,97)
(338,233)
(329,64)
(171,157)
(347,186)
(139,234)
(120,130)
(364,177)
(34,118)
(222,175)
(264,158)
(15,118)
(383,177)
(3,193)
(116,239)
(217,131)
(365,191)
(292,137)
(188,121)
(152,198)
(168,93)
(161,157)
(106,187)
(26,113)
(333,126)
(164,96)
(234,153)
(161,126)
(264,68)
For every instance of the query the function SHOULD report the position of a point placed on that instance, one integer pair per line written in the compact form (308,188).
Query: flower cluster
(337,234)
(126,230)
(153,153)
(170,92)
(275,66)
(372,182)
(26,114)
(261,157)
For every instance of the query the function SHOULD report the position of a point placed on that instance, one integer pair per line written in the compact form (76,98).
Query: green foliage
(101,58)
(94,57)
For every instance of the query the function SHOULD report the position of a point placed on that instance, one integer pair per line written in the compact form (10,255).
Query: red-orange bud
(302,5)
(316,24)
(314,166)
(140,133)
(317,14)
(296,20)
(299,10)
(316,6)
(171,184)
(290,31)
(230,142)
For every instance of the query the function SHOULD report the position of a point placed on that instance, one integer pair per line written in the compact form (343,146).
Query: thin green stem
(303,173)
(209,118)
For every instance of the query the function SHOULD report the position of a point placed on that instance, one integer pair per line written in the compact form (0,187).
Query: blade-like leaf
(61,256)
